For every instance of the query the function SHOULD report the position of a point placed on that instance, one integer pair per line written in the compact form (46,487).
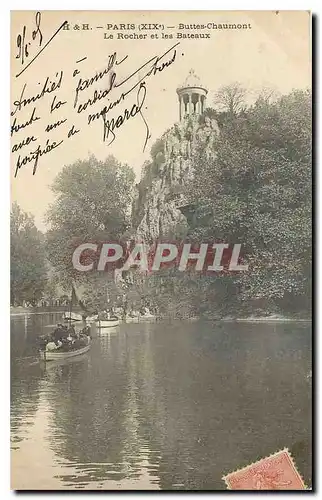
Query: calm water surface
(159,406)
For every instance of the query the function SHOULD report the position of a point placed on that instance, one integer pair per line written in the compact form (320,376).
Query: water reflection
(160,406)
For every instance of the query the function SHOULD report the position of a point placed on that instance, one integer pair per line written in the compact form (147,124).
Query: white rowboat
(147,317)
(107,323)
(132,319)
(53,355)
(72,316)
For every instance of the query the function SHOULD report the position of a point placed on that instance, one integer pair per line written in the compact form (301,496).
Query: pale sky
(275,52)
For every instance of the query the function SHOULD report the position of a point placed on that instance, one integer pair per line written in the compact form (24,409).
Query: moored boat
(71,316)
(131,319)
(147,317)
(107,323)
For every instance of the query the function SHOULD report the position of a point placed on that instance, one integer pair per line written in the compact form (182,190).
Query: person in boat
(105,315)
(59,333)
(53,346)
(80,342)
(123,314)
(114,312)
(72,335)
(72,332)
(70,340)
(145,311)
(86,331)
(134,313)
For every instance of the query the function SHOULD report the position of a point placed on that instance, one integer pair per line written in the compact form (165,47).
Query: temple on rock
(192,96)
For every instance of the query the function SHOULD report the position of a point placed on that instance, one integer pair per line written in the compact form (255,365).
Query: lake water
(159,406)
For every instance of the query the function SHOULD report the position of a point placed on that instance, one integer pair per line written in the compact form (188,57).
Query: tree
(231,98)
(258,191)
(268,94)
(93,204)
(28,267)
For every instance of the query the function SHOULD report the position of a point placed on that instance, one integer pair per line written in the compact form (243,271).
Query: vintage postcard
(161,250)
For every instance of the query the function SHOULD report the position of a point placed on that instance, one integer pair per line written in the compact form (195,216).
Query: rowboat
(91,319)
(54,355)
(147,317)
(131,319)
(72,316)
(107,323)
(53,364)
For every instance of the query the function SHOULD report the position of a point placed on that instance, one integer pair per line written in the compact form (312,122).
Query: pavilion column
(190,105)
(199,105)
(180,107)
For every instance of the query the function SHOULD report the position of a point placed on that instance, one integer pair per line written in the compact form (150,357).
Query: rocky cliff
(162,189)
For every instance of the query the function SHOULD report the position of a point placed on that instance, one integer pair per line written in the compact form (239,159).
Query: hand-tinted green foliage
(28,269)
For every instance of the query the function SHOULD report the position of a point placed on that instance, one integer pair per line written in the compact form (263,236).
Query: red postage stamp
(276,472)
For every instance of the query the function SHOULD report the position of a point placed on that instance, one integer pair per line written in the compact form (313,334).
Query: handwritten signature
(157,65)
(116,123)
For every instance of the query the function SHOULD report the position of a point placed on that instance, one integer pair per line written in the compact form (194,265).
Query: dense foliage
(28,267)
(93,200)
(257,189)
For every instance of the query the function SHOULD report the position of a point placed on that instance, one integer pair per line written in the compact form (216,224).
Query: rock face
(161,190)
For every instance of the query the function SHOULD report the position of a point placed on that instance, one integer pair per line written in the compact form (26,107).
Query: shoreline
(29,312)
(250,319)
(267,320)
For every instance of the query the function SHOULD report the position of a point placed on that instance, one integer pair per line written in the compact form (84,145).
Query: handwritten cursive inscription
(35,155)
(27,44)
(48,87)
(86,83)
(115,123)
(111,104)
(15,127)
(157,65)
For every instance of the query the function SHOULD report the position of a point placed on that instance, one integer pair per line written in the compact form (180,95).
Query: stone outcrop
(161,190)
